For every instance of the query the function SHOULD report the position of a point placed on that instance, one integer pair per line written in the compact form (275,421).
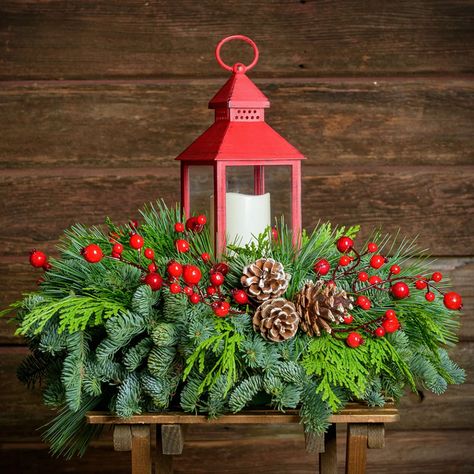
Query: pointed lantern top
(239,131)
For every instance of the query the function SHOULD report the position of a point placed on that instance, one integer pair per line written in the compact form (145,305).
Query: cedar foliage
(100,339)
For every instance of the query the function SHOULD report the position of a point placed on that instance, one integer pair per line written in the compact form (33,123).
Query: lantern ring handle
(238,67)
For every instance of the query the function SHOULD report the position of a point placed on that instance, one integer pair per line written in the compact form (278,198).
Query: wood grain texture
(64,40)
(415,452)
(414,200)
(356,454)
(356,122)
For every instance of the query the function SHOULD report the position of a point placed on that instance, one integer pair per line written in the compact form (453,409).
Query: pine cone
(321,305)
(265,279)
(276,319)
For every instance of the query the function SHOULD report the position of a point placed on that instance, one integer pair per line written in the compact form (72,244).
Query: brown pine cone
(265,279)
(276,319)
(321,305)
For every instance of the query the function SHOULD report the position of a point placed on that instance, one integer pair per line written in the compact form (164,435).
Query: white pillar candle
(247,216)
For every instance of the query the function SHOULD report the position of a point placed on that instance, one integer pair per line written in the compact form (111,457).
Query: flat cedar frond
(74,313)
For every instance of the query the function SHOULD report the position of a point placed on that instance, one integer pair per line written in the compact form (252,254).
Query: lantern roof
(239,132)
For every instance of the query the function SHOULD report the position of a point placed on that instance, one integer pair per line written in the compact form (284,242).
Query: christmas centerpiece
(215,312)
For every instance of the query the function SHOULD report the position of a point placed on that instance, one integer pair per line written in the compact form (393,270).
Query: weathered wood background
(98,97)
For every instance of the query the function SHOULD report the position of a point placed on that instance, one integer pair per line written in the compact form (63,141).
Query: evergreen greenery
(101,339)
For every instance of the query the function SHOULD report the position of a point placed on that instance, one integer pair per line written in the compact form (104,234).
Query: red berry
(220,267)
(179,227)
(437,277)
(390,314)
(192,224)
(221,308)
(116,255)
(174,269)
(136,241)
(354,339)
(363,302)
(201,220)
(377,261)
(149,254)
(275,235)
(117,248)
(348,319)
(363,276)
(322,267)
(400,290)
(240,297)
(191,275)
(151,267)
(133,224)
(175,288)
(395,269)
(380,332)
(344,244)
(375,280)
(154,281)
(188,291)
(430,296)
(452,300)
(420,284)
(345,260)
(182,246)
(92,253)
(391,325)
(194,298)
(372,247)
(217,278)
(211,290)
(38,258)
(205,257)
(47,266)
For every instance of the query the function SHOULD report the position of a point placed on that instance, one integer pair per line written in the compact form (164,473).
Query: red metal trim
(220,208)
(296,202)
(238,67)
(185,198)
(258,180)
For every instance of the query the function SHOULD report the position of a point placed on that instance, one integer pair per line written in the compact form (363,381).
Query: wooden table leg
(163,462)
(328,458)
(141,449)
(356,448)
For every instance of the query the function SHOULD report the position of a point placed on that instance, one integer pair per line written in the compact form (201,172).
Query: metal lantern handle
(238,67)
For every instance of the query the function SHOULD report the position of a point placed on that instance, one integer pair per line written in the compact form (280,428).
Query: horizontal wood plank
(419,201)
(351,414)
(64,40)
(352,123)
(414,452)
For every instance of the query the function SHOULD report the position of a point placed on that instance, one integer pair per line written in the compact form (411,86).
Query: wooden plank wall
(98,97)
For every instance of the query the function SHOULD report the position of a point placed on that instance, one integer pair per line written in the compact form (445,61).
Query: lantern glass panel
(256,195)
(278,185)
(201,187)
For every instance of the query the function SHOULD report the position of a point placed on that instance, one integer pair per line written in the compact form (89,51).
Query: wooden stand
(154,438)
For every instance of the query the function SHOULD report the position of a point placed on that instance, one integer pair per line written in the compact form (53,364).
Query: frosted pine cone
(265,279)
(320,305)
(276,319)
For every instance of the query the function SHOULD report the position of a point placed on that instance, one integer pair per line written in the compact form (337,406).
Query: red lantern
(240,152)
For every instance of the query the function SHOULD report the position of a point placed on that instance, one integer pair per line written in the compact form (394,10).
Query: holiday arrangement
(144,317)
(173,312)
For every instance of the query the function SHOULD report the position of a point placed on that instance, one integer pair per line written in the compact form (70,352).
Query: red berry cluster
(180,278)
(350,263)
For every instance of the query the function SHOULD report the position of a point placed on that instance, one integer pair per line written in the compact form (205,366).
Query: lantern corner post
(220,207)
(185,190)
(296,219)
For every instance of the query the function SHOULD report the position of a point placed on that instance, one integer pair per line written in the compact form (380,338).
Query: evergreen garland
(101,338)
